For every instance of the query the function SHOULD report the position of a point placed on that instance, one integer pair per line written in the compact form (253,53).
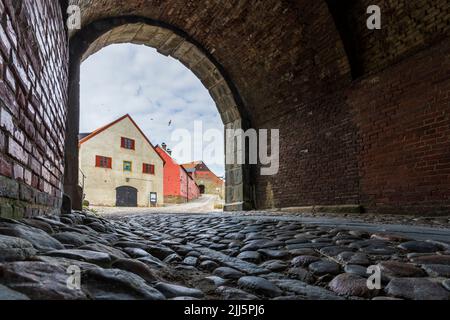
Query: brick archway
(168,41)
(363,114)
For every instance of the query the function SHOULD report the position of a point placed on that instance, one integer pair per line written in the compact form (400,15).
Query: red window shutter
(97,161)
(109,163)
(122,142)
(148,168)
(133,145)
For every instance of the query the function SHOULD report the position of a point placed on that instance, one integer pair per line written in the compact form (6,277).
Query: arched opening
(126,197)
(202,189)
(171,42)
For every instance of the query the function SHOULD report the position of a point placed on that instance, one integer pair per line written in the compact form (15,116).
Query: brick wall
(310,69)
(363,114)
(33,82)
(407,27)
(371,128)
(403,119)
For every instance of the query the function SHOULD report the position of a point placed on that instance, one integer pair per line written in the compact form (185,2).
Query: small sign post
(153,199)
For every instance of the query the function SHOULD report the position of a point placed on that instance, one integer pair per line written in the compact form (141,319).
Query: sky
(154,90)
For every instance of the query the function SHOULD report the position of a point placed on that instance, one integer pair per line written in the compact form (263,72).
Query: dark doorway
(202,189)
(126,197)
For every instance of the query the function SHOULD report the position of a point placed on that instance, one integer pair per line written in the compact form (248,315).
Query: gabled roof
(191,165)
(106,127)
(182,168)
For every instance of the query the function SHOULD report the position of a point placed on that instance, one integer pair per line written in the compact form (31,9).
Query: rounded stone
(40,225)
(333,251)
(437,270)
(136,267)
(39,280)
(98,258)
(304,261)
(274,254)
(250,256)
(351,285)
(301,274)
(354,258)
(260,286)
(400,269)
(417,289)
(228,273)
(274,265)
(208,265)
(173,259)
(15,249)
(115,284)
(303,252)
(356,270)
(71,238)
(228,293)
(7,294)
(173,291)
(160,252)
(97,226)
(325,267)
(136,253)
(38,238)
(210,284)
(436,259)
(113,252)
(420,247)
(153,262)
(387,237)
(191,261)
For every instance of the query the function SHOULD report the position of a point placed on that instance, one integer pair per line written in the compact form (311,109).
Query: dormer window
(129,144)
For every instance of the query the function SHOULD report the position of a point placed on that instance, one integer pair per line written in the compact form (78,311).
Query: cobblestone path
(213,257)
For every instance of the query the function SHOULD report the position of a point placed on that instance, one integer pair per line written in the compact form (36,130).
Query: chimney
(169,151)
(164,146)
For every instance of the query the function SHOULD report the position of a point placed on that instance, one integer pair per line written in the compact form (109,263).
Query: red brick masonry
(363,115)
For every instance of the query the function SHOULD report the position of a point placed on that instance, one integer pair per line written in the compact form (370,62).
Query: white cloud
(152,88)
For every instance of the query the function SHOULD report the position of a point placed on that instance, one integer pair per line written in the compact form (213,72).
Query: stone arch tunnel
(363,114)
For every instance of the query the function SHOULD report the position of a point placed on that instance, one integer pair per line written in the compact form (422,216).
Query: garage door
(126,197)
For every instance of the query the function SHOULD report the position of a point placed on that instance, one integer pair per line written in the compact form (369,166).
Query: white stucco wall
(101,184)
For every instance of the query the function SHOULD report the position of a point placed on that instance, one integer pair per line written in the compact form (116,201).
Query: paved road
(220,256)
(205,204)
(409,231)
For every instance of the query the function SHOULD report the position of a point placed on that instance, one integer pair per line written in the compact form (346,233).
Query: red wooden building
(178,184)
